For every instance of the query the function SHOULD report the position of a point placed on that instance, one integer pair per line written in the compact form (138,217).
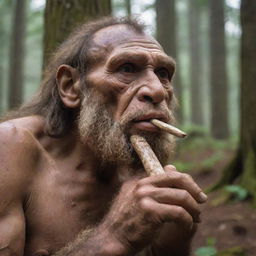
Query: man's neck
(83,158)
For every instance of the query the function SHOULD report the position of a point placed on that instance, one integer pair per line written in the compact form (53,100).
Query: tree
(128,7)
(166,35)
(242,167)
(195,64)
(61,17)
(16,64)
(218,74)
(1,62)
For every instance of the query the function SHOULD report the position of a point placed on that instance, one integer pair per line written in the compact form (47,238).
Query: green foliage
(209,249)
(230,193)
(238,192)
(212,251)
(206,251)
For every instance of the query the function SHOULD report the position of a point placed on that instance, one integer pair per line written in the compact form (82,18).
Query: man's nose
(152,90)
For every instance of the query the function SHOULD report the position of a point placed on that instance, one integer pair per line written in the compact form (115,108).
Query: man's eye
(127,68)
(163,73)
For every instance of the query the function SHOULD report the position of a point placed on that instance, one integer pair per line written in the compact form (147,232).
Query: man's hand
(161,211)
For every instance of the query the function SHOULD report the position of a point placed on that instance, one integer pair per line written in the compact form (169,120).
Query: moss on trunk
(248,177)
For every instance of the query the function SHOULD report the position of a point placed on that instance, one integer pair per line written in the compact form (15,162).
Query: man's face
(129,83)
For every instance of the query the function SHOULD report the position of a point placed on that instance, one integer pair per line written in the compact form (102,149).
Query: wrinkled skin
(52,189)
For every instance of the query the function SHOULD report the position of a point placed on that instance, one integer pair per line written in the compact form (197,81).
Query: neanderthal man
(71,183)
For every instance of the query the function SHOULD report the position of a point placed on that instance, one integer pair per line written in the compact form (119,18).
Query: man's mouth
(145,125)
(143,122)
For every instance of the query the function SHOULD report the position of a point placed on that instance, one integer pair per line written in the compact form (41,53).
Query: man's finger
(172,196)
(175,179)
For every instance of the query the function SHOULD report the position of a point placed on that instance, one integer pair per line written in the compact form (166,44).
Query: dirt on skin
(229,224)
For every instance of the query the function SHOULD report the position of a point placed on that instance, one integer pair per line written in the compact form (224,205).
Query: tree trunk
(1,63)
(16,65)
(166,24)
(218,74)
(61,17)
(243,166)
(195,64)
(128,7)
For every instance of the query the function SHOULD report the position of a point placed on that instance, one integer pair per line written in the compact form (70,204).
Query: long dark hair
(75,51)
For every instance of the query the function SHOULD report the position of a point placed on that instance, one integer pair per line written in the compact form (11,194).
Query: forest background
(212,42)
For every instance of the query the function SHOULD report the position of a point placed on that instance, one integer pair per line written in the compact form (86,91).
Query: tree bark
(195,64)
(218,73)
(16,64)
(128,7)
(248,93)
(1,63)
(166,23)
(62,16)
(243,166)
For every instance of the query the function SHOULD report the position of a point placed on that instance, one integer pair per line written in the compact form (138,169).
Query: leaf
(239,192)
(206,251)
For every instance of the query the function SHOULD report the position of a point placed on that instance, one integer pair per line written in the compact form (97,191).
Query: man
(71,183)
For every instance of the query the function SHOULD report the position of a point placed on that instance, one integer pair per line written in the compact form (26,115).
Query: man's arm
(14,168)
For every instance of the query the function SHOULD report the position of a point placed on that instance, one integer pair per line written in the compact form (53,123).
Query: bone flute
(148,158)
(168,128)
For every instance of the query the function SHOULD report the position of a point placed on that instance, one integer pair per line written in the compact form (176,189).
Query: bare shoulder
(19,152)
(20,134)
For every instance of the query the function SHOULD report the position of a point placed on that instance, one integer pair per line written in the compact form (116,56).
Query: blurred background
(213,43)
(183,28)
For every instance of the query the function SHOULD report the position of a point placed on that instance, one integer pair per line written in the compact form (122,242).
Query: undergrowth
(201,152)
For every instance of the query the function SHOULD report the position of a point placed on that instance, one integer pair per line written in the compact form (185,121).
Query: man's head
(115,79)
(128,84)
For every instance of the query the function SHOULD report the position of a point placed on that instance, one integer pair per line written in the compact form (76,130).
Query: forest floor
(228,228)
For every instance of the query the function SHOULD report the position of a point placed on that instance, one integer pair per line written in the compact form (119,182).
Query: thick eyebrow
(162,60)
(165,61)
(127,56)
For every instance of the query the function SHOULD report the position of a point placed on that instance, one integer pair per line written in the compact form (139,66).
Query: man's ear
(68,83)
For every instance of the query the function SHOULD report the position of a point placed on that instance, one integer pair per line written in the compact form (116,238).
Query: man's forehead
(115,35)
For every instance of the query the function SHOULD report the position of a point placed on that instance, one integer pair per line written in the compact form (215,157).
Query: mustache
(138,113)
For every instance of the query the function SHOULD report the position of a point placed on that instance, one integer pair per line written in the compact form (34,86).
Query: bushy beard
(109,140)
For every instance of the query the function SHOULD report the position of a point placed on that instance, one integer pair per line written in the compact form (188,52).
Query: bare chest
(60,205)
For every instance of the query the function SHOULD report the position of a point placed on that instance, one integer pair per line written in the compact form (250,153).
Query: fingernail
(172,167)
(202,197)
